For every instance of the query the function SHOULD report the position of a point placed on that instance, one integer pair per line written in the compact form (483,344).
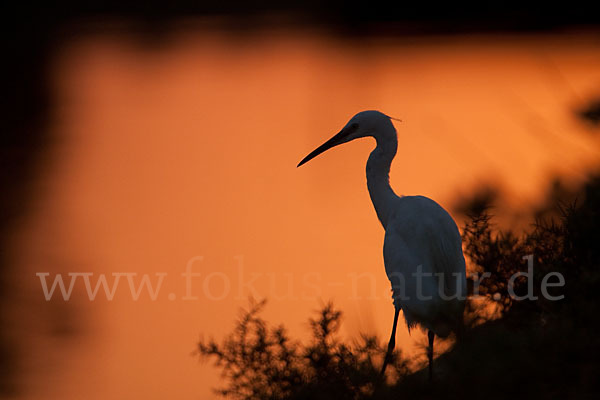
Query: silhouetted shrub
(261,362)
(536,347)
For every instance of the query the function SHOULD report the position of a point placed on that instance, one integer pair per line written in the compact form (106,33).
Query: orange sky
(161,155)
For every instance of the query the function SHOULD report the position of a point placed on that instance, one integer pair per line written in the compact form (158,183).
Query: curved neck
(378,174)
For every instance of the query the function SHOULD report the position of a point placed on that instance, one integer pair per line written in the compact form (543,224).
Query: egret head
(365,123)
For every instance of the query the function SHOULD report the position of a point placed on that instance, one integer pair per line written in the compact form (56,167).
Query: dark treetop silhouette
(537,348)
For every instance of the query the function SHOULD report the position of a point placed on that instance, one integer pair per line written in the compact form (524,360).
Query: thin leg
(391,344)
(430,353)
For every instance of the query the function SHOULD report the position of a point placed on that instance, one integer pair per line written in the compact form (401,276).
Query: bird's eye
(354,126)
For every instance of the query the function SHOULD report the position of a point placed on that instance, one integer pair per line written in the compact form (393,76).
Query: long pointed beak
(334,141)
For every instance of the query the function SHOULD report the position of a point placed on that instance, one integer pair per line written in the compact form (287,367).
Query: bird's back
(425,264)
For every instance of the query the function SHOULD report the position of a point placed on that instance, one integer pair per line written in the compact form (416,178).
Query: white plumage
(422,247)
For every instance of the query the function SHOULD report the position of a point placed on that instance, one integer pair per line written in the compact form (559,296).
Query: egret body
(422,248)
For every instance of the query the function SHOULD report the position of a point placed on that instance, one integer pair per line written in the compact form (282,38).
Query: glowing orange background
(163,154)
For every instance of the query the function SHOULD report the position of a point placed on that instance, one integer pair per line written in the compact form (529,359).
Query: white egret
(422,248)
